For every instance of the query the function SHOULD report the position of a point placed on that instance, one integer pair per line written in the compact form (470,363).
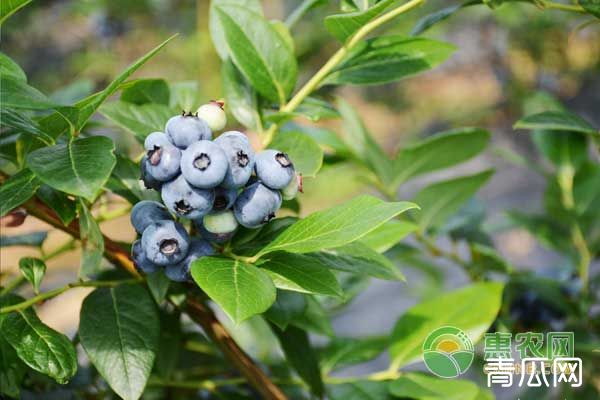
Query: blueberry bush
(221,245)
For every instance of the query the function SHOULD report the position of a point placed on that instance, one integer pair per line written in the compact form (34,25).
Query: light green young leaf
(80,167)
(240,97)
(300,273)
(17,190)
(9,7)
(144,91)
(388,234)
(342,26)
(258,51)
(311,108)
(440,151)
(337,226)
(241,289)
(138,120)
(92,242)
(454,308)
(423,387)
(442,199)
(556,120)
(215,27)
(304,152)
(11,69)
(119,329)
(185,96)
(40,347)
(342,352)
(33,269)
(387,59)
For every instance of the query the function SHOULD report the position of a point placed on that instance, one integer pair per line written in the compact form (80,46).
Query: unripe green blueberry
(220,222)
(213,114)
(291,190)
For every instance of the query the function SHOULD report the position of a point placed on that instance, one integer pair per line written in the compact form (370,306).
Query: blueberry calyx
(182,207)
(168,246)
(220,203)
(283,160)
(202,162)
(154,155)
(188,114)
(242,159)
(269,217)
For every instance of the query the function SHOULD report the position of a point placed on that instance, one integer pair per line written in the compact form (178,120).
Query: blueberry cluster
(217,184)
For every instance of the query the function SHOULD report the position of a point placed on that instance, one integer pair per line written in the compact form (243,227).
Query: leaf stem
(58,291)
(316,80)
(563,7)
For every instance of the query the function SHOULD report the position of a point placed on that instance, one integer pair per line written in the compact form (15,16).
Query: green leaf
(33,269)
(9,7)
(304,152)
(360,390)
(342,352)
(240,98)
(357,258)
(92,242)
(388,234)
(23,124)
(63,206)
(215,27)
(288,306)
(12,370)
(143,91)
(119,330)
(556,120)
(11,69)
(301,356)
(442,199)
(440,15)
(125,181)
(170,340)
(315,318)
(40,347)
(258,51)
(342,26)
(311,108)
(185,96)
(337,226)
(241,289)
(80,167)
(17,190)
(138,120)
(413,327)
(423,387)
(18,94)
(564,149)
(387,59)
(440,151)
(487,258)
(591,6)
(158,283)
(300,273)
(33,239)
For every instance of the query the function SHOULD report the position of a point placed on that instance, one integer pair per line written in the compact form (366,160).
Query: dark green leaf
(258,51)
(388,234)
(65,208)
(304,152)
(357,258)
(422,387)
(119,330)
(250,241)
(9,7)
(21,123)
(80,167)
(315,318)
(591,6)
(241,289)
(34,239)
(556,120)
(387,59)
(158,283)
(11,69)
(169,349)
(487,258)
(564,149)
(442,199)
(92,242)
(300,273)
(12,370)
(337,226)
(414,326)
(301,356)
(240,98)
(142,91)
(40,347)
(138,120)
(125,181)
(342,26)
(440,15)
(287,307)
(440,151)
(215,27)
(341,352)
(547,230)
(18,94)
(33,269)
(360,390)
(17,190)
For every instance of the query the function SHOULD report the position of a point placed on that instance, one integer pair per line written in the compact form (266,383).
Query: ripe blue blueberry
(224,198)
(183,130)
(203,164)
(162,158)
(213,114)
(180,272)
(185,200)
(220,222)
(274,168)
(165,242)
(256,205)
(146,178)
(240,157)
(146,212)
(140,260)
(218,238)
